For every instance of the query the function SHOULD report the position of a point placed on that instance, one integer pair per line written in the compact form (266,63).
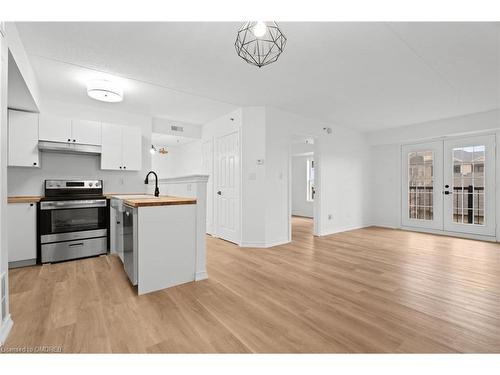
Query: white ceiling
(363,75)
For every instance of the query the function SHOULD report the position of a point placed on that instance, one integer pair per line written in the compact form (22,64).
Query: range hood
(69,148)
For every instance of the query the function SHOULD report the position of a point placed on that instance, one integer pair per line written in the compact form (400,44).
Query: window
(310,180)
(468,185)
(420,185)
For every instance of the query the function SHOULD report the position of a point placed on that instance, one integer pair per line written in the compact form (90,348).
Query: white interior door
(422,201)
(469,181)
(227,186)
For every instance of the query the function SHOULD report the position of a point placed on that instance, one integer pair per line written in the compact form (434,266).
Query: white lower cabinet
(23,139)
(21,229)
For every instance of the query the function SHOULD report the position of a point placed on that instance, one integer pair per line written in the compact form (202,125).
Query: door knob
(219,192)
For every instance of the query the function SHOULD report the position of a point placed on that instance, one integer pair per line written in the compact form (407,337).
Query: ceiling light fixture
(105,91)
(260,43)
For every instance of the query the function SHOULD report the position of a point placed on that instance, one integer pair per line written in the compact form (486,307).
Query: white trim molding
(264,245)
(343,229)
(200,275)
(184,179)
(5,329)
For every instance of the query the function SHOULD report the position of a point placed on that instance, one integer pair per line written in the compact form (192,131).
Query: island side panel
(166,246)
(201,230)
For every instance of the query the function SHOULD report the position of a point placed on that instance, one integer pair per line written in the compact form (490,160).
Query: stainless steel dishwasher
(130,242)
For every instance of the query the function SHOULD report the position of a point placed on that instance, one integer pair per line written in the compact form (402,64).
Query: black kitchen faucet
(146,181)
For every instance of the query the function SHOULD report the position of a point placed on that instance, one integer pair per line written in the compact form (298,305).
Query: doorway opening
(303,187)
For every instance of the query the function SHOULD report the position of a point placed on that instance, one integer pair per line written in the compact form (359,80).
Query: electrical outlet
(330,216)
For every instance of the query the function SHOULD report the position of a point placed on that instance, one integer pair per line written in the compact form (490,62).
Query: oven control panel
(73,184)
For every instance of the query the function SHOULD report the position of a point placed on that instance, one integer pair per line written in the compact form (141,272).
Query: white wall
(300,205)
(461,125)
(29,181)
(163,126)
(181,160)
(342,170)
(386,184)
(254,193)
(386,159)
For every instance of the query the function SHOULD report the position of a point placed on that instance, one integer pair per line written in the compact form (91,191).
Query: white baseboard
(264,245)
(5,329)
(203,275)
(451,234)
(383,225)
(252,244)
(343,229)
(277,243)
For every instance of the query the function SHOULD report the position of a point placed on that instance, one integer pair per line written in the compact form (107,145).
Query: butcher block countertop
(24,199)
(163,200)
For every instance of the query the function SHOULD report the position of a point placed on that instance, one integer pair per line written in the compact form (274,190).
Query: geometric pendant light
(260,43)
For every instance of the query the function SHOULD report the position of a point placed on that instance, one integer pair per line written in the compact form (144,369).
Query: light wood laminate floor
(367,290)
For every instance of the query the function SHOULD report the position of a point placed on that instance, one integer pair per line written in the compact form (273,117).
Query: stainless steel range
(72,220)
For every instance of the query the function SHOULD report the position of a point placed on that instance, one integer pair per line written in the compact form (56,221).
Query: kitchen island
(161,246)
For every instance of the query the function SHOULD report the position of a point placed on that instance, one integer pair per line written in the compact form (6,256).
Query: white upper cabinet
(23,139)
(61,129)
(111,151)
(86,132)
(121,147)
(54,128)
(131,148)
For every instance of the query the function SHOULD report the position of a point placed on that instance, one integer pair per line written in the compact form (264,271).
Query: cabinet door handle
(74,140)
(120,167)
(124,167)
(69,140)
(31,204)
(76,244)
(34,163)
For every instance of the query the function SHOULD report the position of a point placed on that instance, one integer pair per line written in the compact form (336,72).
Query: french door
(450,185)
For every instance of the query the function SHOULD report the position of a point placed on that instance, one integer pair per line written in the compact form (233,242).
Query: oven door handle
(59,205)
(76,244)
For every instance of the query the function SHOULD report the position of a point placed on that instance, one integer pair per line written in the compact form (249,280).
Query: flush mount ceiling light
(260,43)
(105,91)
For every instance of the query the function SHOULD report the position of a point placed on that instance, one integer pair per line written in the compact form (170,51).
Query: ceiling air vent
(176,128)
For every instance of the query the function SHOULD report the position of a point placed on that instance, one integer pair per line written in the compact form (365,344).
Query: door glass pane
(420,185)
(468,185)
